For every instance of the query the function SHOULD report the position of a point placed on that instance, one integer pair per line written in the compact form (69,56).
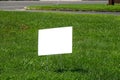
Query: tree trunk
(111,2)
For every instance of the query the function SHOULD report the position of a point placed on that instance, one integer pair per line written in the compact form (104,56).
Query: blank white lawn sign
(55,41)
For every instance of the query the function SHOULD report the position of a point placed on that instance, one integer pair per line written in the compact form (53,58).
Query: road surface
(16,5)
(19,6)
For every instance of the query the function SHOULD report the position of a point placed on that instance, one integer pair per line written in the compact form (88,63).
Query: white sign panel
(55,41)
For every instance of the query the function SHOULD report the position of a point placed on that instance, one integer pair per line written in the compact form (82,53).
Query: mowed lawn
(96,47)
(77,7)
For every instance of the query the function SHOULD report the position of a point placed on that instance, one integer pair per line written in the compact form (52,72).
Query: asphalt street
(19,5)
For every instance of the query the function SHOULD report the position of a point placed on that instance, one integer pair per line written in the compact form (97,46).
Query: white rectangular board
(55,41)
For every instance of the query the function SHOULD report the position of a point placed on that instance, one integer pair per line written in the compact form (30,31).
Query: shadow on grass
(78,70)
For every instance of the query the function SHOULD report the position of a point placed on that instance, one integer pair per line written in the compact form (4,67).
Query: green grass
(77,7)
(96,47)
